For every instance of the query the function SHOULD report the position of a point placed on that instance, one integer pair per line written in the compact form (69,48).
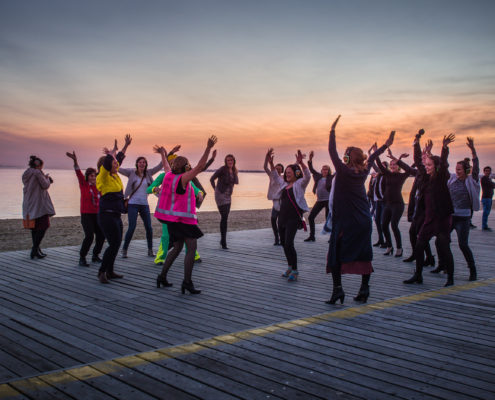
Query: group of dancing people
(439,203)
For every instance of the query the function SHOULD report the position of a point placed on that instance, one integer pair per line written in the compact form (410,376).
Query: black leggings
(112,228)
(392,213)
(273,220)
(37,236)
(91,229)
(319,205)
(287,230)
(224,216)
(378,219)
(416,224)
(442,244)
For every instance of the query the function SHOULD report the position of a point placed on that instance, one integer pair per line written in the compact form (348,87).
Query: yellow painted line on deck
(101,368)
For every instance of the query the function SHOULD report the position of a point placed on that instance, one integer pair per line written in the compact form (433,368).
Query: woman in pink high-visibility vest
(177,209)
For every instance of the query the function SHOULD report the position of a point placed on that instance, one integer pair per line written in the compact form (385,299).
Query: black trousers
(274,221)
(416,224)
(442,244)
(319,205)
(91,229)
(287,231)
(392,212)
(224,216)
(112,227)
(378,220)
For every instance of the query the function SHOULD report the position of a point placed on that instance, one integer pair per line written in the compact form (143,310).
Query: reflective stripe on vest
(171,211)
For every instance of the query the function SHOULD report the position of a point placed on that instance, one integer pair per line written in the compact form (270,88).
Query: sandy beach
(66,231)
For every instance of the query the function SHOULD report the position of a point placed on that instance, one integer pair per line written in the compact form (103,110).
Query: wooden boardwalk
(250,333)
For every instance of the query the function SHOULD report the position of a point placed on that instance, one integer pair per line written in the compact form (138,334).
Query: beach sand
(67,231)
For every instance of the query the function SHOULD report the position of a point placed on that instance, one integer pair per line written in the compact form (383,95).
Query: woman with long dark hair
(292,206)
(37,205)
(350,250)
(226,177)
(177,209)
(274,172)
(90,200)
(434,199)
(394,203)
(111,208)
(139,179)
(321,188)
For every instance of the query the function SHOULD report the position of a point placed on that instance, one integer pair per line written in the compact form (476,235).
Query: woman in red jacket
(90,199)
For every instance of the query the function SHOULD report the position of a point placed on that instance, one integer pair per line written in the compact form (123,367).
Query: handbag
(126,200)
(302,221)
(28,223)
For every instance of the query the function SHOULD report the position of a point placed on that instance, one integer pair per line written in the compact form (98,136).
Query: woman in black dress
(350,250)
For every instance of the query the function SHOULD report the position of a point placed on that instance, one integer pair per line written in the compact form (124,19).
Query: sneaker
(293,275)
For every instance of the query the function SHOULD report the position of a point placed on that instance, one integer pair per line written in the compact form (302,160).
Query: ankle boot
(472,273)
(189,286)
(162,280)
(83,262)
(363,294)
(416,278)
(337,294)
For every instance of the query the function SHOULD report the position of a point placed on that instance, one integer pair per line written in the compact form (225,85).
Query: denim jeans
(132,213)
(487,208)
(461,226)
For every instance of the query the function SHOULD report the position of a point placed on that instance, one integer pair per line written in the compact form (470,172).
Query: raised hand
(403,155)
(115,147)
(429,146)
(300,156)
(390,139)
(374,147)
(311,155)
(72,156)
(128,140)
(335,123)
(159,149)
(211,141)
(175,149)
(470,143)
(390,155)
(448,139)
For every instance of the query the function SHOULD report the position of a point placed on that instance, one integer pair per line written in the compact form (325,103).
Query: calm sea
(250,194)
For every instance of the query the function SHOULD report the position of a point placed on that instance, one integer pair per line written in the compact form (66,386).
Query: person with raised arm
(350,250)
(394,203)
(177,208)
(139,178)
(226,177)
(155,188)
(292,207)
(464,186)
(322,187)
(435,202)
(415,215)
(274,173)
(90,201)
(111,208)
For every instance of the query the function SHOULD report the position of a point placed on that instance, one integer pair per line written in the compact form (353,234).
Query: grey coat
(36,201)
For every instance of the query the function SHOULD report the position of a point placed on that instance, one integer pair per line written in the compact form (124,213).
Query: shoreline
(67,231)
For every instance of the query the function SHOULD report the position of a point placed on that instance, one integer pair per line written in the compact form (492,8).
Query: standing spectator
(37,204)
(487,186)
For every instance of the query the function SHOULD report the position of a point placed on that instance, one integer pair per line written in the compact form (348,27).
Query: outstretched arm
(445,150)
(476,163)
(268,156)
(187,176)
(310,163)
(379,151)
(163,153)
(73,157)
(332,147)
(211,160)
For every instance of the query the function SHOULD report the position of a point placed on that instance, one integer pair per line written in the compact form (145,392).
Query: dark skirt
(180,231)
(42,223)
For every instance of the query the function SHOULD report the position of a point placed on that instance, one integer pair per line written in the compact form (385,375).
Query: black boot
(472,273)
(337,294)
(83,262)
(363,294)
(416,278)
(189,286)
(411,258)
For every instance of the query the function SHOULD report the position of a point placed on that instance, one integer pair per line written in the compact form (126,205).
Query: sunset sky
(76,74)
